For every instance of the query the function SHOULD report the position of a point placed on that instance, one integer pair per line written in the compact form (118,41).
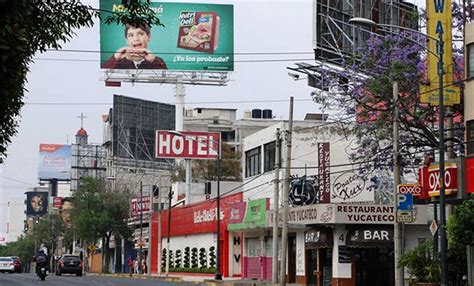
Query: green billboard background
(164,40)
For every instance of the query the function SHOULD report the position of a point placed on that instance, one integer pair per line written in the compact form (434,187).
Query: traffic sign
(404,202)
(405,216)
(433,227)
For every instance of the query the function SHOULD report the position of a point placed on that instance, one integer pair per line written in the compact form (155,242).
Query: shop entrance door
(291,258)
(319,266)
(374,266)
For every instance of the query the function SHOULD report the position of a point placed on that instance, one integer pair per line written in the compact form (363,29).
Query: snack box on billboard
(199,31)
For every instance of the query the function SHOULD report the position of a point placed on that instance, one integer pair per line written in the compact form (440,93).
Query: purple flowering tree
(361,95)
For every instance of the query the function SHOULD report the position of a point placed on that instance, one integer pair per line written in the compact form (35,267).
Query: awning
(369,236)
(318,238)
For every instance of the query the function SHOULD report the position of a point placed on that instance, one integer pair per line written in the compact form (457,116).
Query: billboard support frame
(167,77)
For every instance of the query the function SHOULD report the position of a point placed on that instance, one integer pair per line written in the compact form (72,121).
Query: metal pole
(159,246)
(141,227)
(276,204)
(148,257)
(442,188)
(286,186)
(396,181)
(218,275)
(170,196)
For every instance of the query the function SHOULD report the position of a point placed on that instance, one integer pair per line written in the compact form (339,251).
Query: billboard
(191,145)
(195,37)
(139,206)
(54,162)
(36,203)
(439,19)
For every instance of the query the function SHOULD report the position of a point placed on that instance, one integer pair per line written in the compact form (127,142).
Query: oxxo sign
(413,189)
(191,145)
(450,179)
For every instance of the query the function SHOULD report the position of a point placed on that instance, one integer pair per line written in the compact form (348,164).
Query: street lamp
(442,200)
(218,274)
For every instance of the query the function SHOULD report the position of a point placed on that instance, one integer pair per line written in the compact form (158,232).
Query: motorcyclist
(41,260)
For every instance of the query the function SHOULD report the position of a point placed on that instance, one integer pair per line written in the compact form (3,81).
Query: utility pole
(141,226)
(170,196)
(396,181)
(148,257)
(159,246)
(286,190)
(276,204)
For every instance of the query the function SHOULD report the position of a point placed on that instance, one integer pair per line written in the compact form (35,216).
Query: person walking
(130,266)
(135,266)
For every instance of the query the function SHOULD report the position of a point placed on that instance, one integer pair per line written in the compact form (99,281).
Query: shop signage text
(413,189)
(192,145)
(450,179)
(139,205)
(207,215)
(348,186)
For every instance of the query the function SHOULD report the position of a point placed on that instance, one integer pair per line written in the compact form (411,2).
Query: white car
(7,264)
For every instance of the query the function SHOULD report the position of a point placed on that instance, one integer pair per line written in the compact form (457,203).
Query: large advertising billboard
(54,162)
(36,203)
(195,37)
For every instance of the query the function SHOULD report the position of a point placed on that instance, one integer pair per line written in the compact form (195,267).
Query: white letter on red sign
(164,143)
(177,140)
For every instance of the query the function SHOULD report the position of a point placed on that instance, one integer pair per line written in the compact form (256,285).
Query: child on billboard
(135,55)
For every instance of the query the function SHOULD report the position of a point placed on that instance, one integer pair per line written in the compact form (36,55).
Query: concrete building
(340,224)
(15,219)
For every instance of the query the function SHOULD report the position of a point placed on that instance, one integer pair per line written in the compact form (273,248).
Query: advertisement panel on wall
(36,203)
(195,37)
(54,162)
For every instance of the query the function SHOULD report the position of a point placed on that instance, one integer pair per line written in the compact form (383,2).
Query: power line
(230,61)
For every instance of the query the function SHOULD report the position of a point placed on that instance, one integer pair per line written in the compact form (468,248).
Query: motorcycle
(42,273)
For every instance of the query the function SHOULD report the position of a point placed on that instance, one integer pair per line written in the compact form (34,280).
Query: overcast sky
(62,85)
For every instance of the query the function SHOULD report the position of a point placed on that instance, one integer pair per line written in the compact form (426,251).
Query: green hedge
(192,270)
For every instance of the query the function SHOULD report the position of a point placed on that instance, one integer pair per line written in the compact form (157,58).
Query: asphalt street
(7,279)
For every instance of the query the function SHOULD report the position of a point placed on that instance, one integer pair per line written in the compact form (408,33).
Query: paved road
(7,279)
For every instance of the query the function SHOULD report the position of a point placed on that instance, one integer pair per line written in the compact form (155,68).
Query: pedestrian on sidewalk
(130,266)
(135,266)
(144,267)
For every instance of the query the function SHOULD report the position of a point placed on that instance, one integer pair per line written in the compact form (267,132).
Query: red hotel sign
(191,145)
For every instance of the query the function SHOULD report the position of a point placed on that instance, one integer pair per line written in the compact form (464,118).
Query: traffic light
(37,220)
(25,227)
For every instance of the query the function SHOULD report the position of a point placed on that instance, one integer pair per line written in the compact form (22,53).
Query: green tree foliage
(206,170)
(27,28)
(23,247)
(30,27)
(98,213)
(422,263)
(461,223)
(50,229)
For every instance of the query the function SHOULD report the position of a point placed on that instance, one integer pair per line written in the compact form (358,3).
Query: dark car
(18,264)
(68,263)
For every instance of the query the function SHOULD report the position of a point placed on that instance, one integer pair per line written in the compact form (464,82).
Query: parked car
(18,264)
(68,263)
(7,264)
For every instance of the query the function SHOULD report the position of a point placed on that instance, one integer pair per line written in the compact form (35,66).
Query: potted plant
(422,264)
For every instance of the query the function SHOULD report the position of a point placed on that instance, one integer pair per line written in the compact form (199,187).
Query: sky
(60,90)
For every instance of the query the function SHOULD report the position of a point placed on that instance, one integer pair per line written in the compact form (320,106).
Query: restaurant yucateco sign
(191,145)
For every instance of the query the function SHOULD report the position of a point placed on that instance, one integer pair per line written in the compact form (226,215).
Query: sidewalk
(197,279)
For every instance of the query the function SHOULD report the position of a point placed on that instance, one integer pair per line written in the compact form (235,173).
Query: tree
(99,214)
(362,96)
(461,223)
(23,247)
(206,170)
(29,27)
